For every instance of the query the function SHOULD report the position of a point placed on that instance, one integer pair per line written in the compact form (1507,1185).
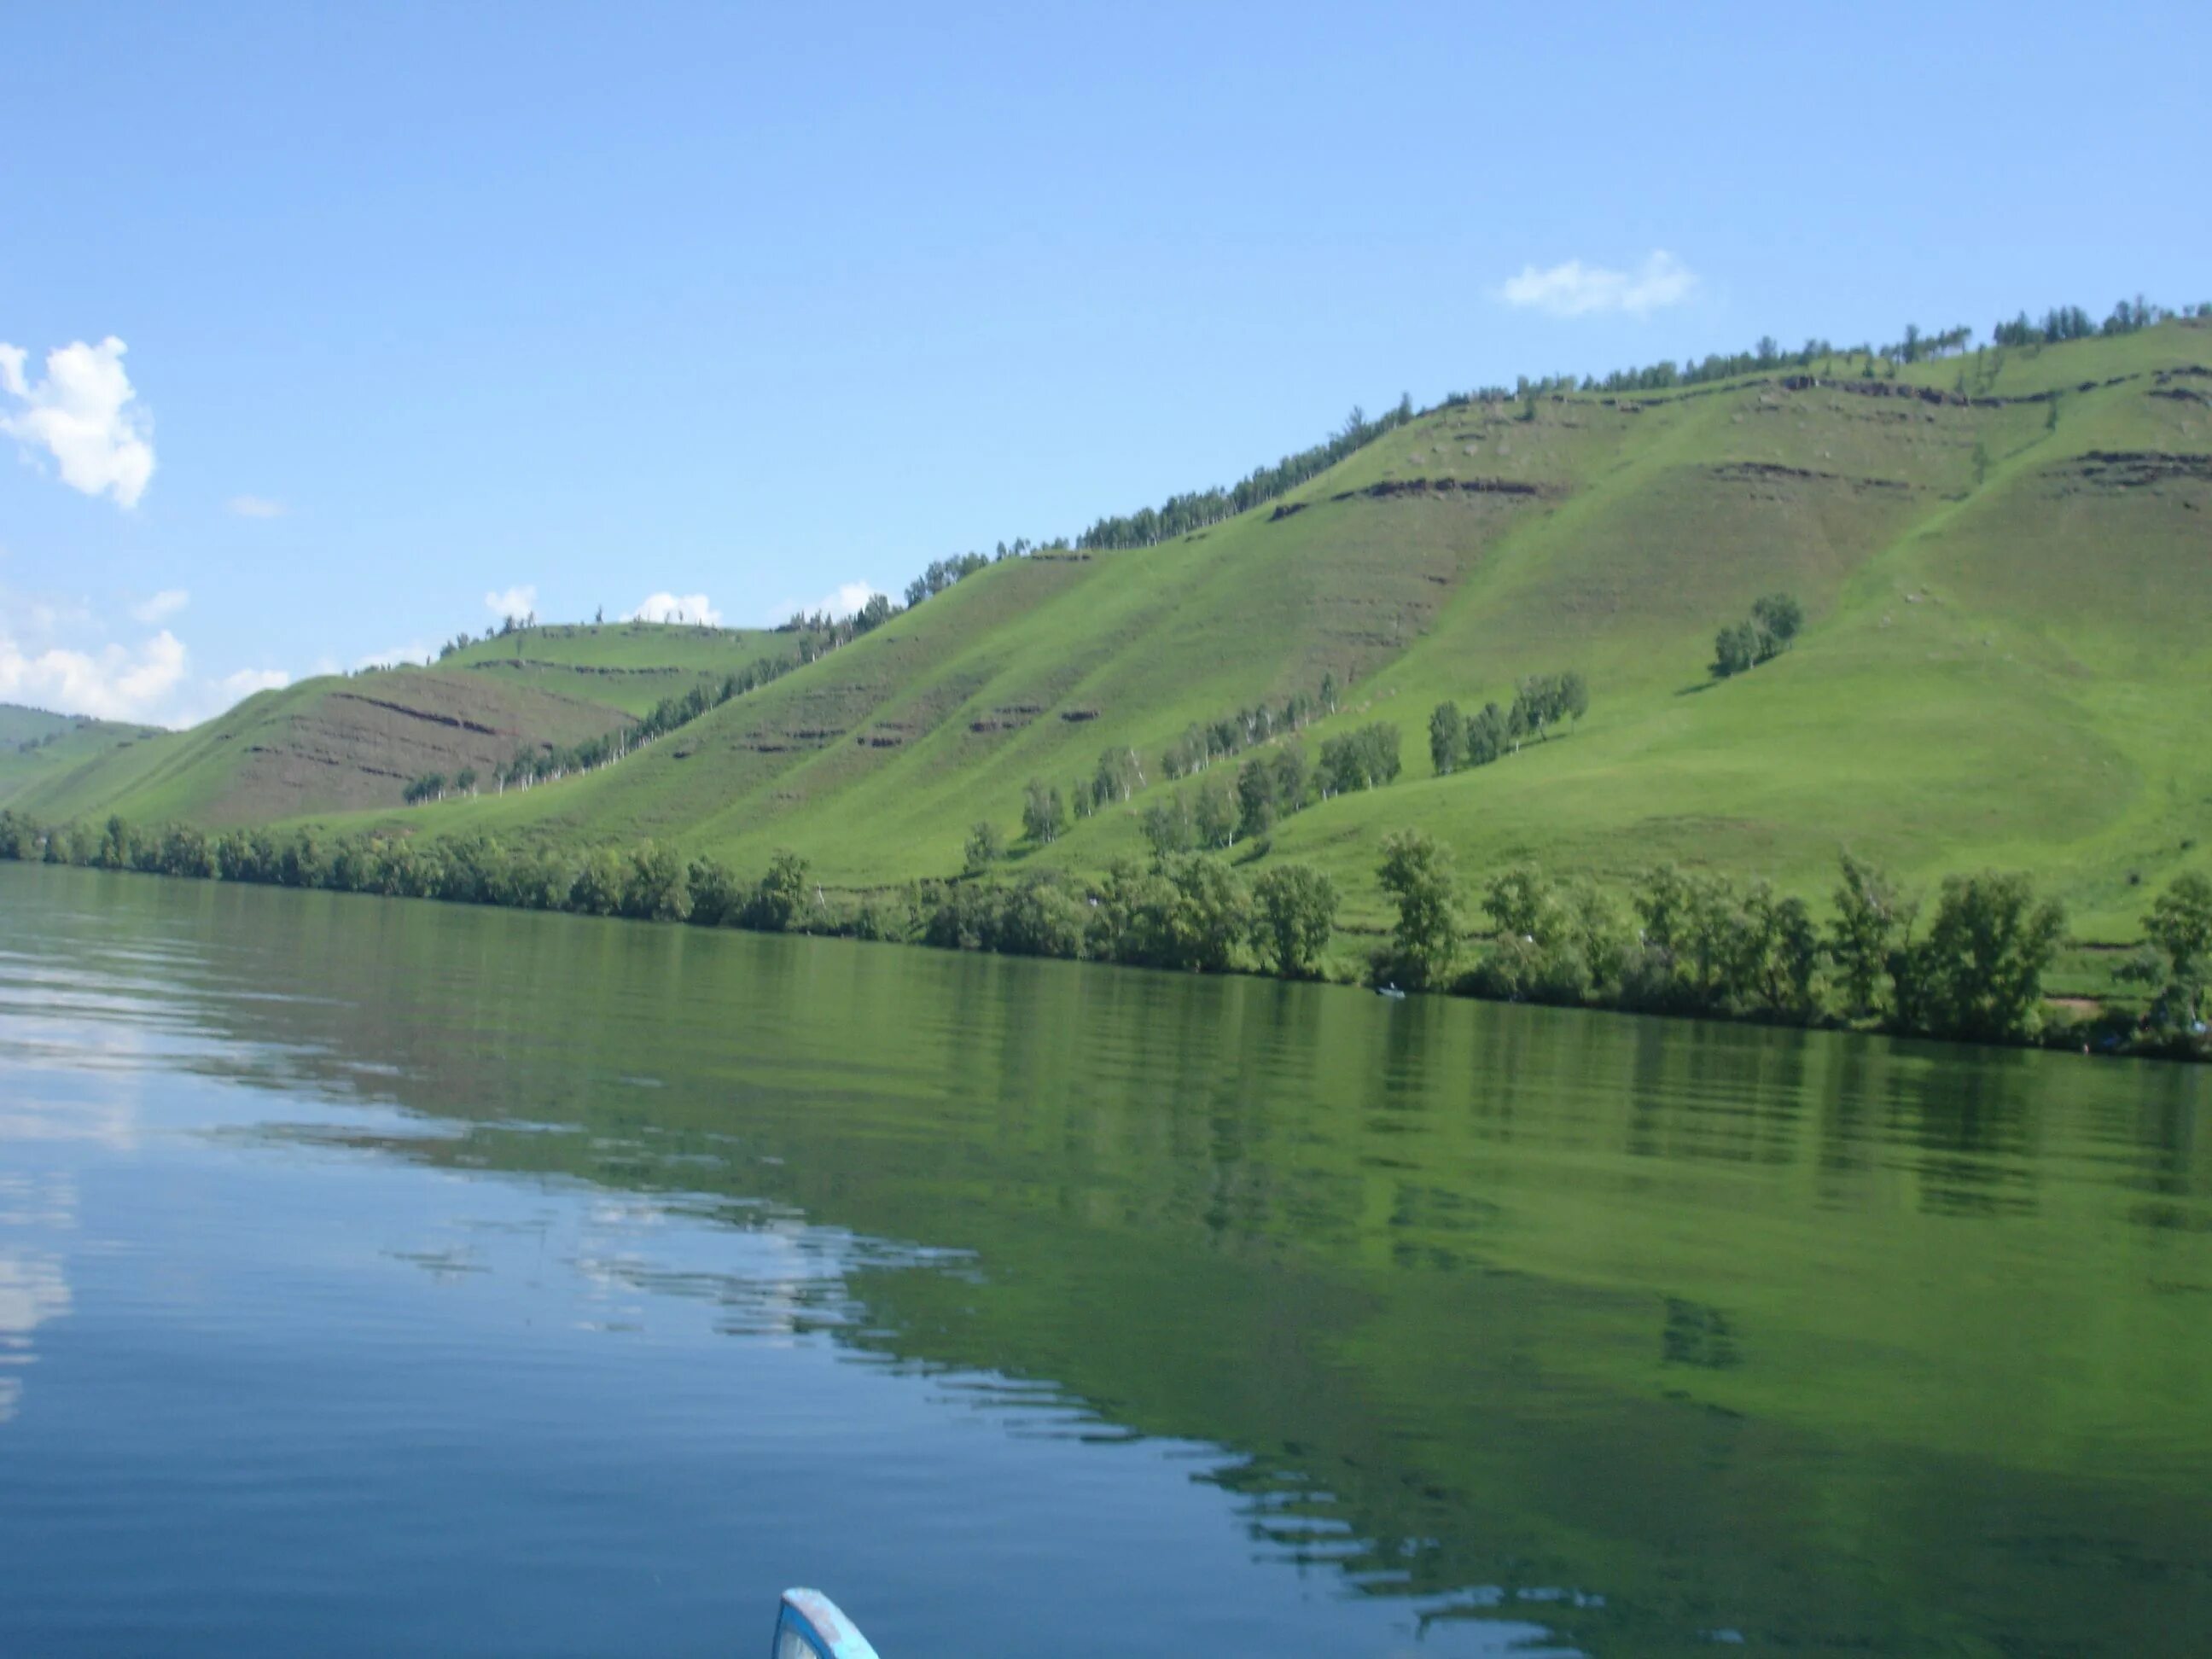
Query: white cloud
(245,683)
(163,605)
(256,507)
(81,414)
(1575,289)
(677,607)
(115,683)
(520,600)
(59,654)
(843,601)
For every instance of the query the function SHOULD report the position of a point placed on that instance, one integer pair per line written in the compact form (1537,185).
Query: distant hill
(21,727)
(629,665)
(344,743)
(37,743)
(2005,562)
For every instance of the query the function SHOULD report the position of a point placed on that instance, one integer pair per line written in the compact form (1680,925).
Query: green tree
(1038,918)
(115,845)
(1598,932)
(659,887)
(1777,619)
(1255,797)
(1129,918)
(1118,776)
(1289,765)
(780,902)
(1536,704)
(1873,923)
(1167,827)
(1574,695)
(1691,928)
(1979,974)
(986,847)
(1520,901)
(1781,957)
(1211,912)
(2179,925)
(1294,915)
(1364,759)
(1488,734)
(304,862)
(1447,737)
(1736,648)
(1044,814)
(601,885)
(1417,874)
(20,837)
(716,895)
(1213,815)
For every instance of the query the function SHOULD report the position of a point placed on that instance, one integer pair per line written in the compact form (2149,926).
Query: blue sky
(425,304)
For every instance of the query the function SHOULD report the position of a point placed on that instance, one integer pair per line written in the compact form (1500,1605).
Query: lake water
(380,1276)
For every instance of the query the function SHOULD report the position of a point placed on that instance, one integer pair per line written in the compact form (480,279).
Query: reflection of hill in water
(1836,1343)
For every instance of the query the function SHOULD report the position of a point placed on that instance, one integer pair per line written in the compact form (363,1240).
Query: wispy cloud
(163,605)
(255,506)
(520,600)
(677,607)
(1575,289)
(82,416)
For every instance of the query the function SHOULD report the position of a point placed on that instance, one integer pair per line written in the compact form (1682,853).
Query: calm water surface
(381,1276)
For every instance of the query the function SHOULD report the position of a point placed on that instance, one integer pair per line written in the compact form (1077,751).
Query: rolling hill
(344,743)
(2005,562)
(36,744)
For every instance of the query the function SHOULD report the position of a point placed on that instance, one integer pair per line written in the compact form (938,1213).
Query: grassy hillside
(2007,659)
(36,745)
(340,743)
(20,727)
(2005,561)
(626,665)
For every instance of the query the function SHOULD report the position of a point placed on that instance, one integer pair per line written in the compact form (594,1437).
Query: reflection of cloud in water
(110,1123)
(789,1280)
(762,1269)
(32,1287)
(35,1040)
(32,1291)
(28,1202)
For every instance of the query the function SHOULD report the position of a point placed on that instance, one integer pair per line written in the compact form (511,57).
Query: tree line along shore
(1964,964)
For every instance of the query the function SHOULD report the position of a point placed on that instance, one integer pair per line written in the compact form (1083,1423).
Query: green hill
(2005,562)
(629,666)
(36,744)
(344,743)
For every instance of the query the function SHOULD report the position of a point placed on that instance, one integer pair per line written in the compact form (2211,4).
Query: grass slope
(2006,660)
(342,744)
(36,743)
(627,665)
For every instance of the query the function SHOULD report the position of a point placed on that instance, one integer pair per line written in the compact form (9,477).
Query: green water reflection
(1829,1343)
